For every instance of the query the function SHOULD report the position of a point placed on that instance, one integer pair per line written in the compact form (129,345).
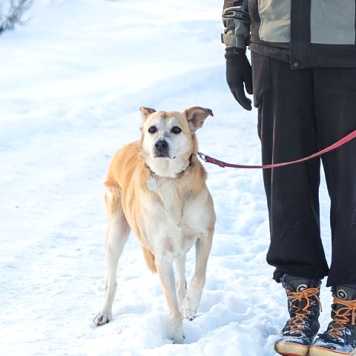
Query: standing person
(303,59)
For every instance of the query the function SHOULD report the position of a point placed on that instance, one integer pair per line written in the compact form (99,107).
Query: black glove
(238,73)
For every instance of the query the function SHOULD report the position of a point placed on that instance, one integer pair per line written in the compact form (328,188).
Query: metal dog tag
(151,184)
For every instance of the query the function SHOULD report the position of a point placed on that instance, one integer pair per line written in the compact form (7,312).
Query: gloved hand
(238,74)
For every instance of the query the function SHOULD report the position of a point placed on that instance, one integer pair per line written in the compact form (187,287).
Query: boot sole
(321,351)
(291,349)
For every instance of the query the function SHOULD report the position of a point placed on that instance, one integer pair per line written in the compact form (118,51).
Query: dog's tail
(150,260)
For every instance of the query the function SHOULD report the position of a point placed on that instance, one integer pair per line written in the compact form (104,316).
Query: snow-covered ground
(72,81)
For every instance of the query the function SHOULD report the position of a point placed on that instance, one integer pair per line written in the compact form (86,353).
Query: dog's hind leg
(192,299)
(117,234)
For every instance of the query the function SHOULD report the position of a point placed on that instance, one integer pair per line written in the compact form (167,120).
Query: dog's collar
(152,184)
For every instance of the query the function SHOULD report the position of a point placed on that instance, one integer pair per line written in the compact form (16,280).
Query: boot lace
(343,315)
(301,314)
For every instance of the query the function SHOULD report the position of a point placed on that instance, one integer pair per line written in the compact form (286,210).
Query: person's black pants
(299,113)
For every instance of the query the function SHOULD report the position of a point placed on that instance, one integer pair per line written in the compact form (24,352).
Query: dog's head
(168,138)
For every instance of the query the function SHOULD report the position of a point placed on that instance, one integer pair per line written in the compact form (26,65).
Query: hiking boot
(340,336)
(304,310)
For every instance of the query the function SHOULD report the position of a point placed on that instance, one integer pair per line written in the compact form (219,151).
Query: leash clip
(202,156)
(209,159)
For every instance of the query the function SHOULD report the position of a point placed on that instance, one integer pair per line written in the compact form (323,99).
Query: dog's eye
(152,129)
(176,130)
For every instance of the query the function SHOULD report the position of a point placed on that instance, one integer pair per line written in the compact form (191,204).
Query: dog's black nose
(161,147)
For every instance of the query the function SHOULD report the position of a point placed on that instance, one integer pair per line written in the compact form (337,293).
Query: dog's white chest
(172,203)
(173,239)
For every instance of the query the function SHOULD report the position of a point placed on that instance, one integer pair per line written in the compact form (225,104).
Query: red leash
(222,164)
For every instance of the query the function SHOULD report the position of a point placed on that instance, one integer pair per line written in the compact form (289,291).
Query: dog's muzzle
(162,148)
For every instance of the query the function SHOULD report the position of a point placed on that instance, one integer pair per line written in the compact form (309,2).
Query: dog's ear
(146,111)
(196,117)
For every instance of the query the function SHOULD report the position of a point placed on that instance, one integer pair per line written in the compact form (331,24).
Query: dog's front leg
(165,272)
(117,235)
(181,281)
(192,299)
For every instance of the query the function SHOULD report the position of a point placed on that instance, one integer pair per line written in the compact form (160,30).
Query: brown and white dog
(156,187)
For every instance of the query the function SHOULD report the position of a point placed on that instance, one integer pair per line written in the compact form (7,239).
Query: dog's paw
(189,307)
(178,340)
(177,334)
(102,319)
(188,313)
(178,337)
